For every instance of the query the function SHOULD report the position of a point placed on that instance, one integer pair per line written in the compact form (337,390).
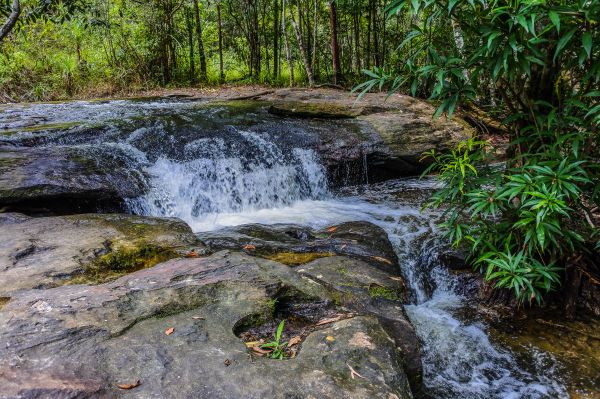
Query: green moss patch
(297,258)
(121,261)
(377,291)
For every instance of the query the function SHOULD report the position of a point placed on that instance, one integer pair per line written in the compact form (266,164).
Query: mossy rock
(325,110)
(89,249)
(123,260)
(296,258)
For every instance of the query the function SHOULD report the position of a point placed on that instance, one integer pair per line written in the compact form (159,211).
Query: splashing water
(245,178)
(213,175)
(250,176)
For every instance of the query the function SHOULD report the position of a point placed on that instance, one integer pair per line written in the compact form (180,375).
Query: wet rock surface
(295,245)
(50,251)
(394,133)
(93,156)
(64,179)
(119,328)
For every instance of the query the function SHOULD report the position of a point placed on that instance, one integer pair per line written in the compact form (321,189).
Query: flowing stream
(214,168)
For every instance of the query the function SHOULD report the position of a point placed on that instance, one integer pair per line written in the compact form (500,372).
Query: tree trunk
(288,51)
(275,39)
(11,21)
(303,53)
(315,59)
(335,55)
(201,53)
(190,32)
(221,73)
(356,23)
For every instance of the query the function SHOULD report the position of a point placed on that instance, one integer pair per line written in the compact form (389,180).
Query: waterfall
(243,172)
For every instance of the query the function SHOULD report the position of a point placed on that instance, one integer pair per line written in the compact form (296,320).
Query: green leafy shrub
(536,64)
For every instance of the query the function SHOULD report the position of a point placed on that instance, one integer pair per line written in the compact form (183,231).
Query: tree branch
(11,21)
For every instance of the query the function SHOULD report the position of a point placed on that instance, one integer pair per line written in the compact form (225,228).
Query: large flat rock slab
(81,340)
(49,251)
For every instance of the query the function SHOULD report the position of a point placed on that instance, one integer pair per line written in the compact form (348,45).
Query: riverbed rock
(395,131)
(49,251)
(169,331)
(295,245)
(65,179)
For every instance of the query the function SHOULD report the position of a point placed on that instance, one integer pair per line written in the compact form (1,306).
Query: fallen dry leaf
(260,351)
(253,343)
(330,338)
(353,372)
(332,229)
(192,254)
(227,362)
(397,279)
(249,247)
(384,260)
(294,341)
(170,330)
(329,320)
(129,386)
(197,317)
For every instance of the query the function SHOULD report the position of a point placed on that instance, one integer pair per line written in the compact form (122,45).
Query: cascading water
(222,178)
(213,168)
(255,181)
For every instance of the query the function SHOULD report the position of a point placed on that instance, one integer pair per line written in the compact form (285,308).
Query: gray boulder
(170,332)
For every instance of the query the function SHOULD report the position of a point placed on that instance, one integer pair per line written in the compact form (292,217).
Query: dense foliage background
(63,48)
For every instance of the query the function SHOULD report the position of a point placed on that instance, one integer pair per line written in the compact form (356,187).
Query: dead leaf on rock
(329,320)
(129,386)
(397,279)
(192,254)
(198,318)
(260,351)
(330,338)
(294,341)
(253,343)
(384,260)
(170,330)
(249,247)
(227,362)
(332,229)
(354,373)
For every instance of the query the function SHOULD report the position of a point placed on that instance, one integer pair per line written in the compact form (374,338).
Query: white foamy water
(243,178)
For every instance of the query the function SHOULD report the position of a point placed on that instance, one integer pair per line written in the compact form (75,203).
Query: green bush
(536,64)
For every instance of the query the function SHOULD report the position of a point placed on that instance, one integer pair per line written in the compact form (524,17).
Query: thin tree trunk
(221,72)
(190,32)
(303,53)
(288,52)
(335,55)
(355,18)
(11,21)
(275,39)
(460,42)
(376,55)
(315,60)
(201,53)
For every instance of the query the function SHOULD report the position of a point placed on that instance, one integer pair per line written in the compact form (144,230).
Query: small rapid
(215,168)
(246,175)
(224,188)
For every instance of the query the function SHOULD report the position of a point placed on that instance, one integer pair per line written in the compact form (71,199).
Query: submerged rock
(171,327)
(65,179)
(295,245)
(50,251)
